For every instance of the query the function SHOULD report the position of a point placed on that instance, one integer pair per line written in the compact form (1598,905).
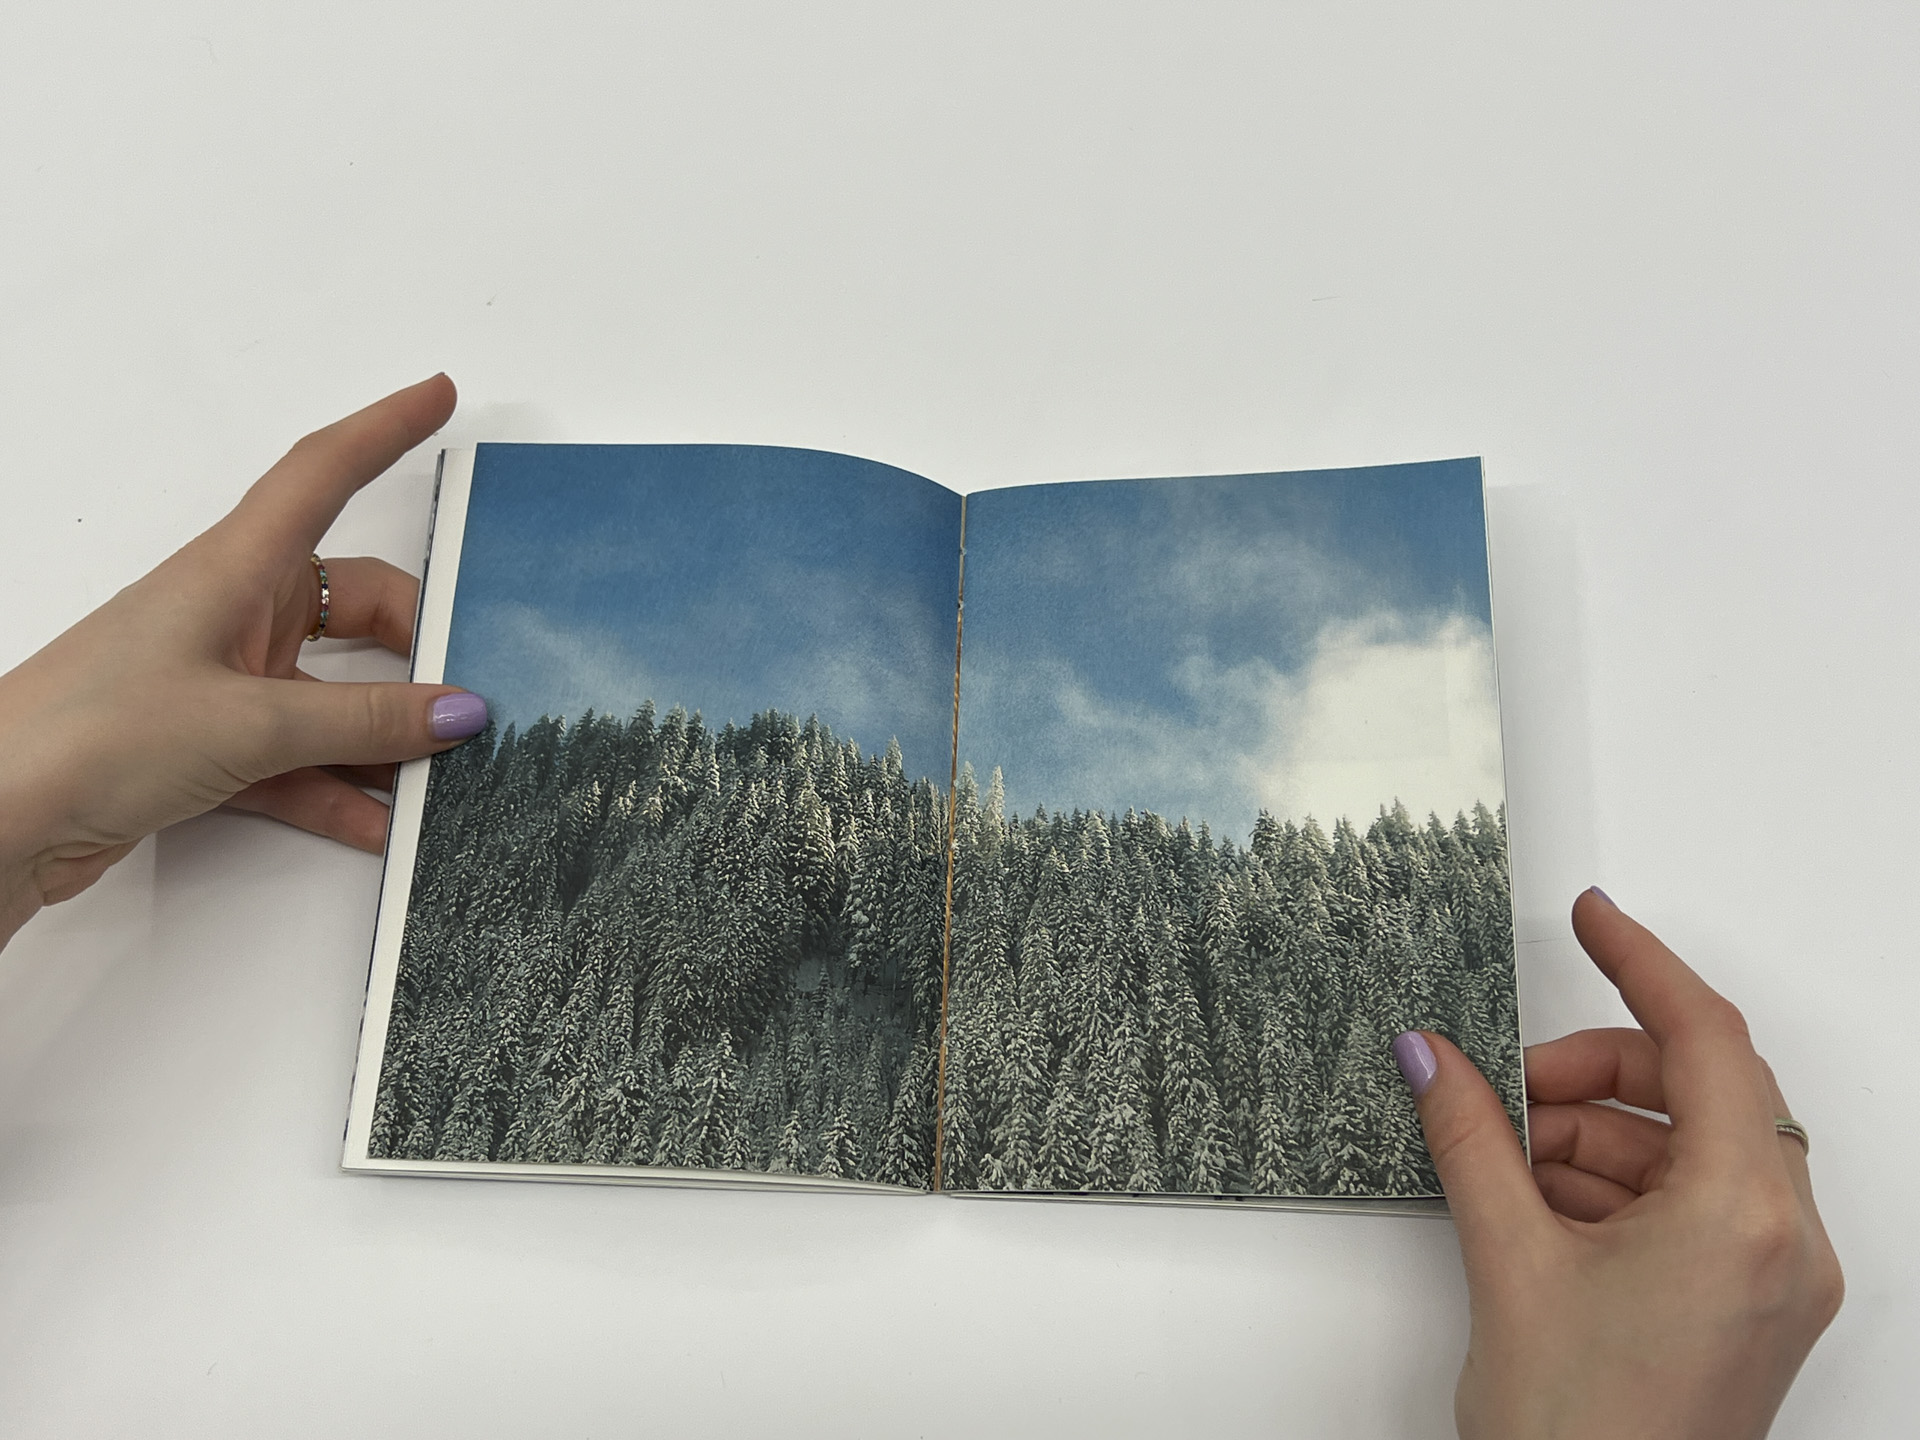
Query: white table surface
(1656,264)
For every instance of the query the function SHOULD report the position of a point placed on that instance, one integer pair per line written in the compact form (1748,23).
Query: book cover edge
(439,578)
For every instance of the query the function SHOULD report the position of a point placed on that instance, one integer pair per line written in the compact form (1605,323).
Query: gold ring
(326,599)
(1795,1130)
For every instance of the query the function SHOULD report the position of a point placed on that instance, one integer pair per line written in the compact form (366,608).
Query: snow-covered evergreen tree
(643,941)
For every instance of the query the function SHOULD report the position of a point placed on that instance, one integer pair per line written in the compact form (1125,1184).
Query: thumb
(341,723)
(1490,1187)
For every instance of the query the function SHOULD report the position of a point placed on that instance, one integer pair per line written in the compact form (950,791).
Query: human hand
(181,693)
(1645,1278)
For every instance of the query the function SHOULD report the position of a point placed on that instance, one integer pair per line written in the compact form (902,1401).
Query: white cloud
(1380,714)
(532,665)
(1380,709)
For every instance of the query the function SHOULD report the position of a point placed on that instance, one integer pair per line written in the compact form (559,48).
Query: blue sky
(728,579)
(1316,642)
(1310,643)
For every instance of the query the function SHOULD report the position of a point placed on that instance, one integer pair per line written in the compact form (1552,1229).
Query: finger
(1709,1073)
(369,597)
(1618,1064)
(373,777)
(322,803)
(1489,1187)
(1617,1145)
(1666,996)
(1578,1195)
(290,507)
(367,777)
(341,723)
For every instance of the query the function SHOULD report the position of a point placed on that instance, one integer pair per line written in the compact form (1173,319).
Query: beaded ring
(326,599)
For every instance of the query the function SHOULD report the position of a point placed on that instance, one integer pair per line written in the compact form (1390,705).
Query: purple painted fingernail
(1414,1056)
(1595,889)
(457,716)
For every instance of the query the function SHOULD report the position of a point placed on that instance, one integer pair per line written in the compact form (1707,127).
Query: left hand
(182,693)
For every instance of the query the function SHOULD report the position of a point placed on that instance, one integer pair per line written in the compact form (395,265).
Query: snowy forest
(644,942)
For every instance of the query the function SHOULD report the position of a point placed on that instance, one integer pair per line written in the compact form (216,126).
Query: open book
(835,829)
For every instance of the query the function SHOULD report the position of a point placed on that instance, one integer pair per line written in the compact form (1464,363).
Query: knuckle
(1717,1017)
(1829,1287)
(1772,1082)
(394,595)
(1450,1132)
(1724,1016)
(1784,1263)
(384,718)
(1766,1226)
(332,810)
(304,447)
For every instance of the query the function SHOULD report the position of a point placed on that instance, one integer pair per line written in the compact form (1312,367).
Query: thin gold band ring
(326,599)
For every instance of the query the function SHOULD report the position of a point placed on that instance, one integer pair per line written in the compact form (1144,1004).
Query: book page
(679,910)
(1233,819)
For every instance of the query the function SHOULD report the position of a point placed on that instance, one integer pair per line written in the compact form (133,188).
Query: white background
(1655,263)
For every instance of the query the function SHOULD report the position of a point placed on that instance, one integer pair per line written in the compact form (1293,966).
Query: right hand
(1644,1278)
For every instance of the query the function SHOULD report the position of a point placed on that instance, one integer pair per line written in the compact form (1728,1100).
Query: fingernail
(1414,1056)
(1596,890)
(459,715)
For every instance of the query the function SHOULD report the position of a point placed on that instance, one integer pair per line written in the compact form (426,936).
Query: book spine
(953,793)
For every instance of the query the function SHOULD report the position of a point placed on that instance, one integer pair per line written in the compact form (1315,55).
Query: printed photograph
(1232,819)
(682,905)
